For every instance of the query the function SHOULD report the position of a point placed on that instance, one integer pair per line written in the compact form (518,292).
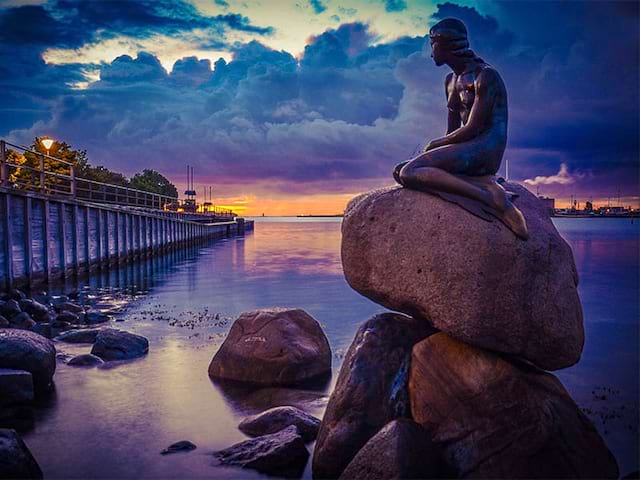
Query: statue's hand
(438,142)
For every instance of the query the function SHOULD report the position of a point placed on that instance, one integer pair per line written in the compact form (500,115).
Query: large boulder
(16,460)
(496,419)
(370,392)
(402,449)
(282,454)
(273,347)
(112,344)
(24,350)
(421,255)
(275,419)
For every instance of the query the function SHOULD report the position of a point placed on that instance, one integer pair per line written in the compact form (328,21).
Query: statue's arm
(486,90)
(453,118)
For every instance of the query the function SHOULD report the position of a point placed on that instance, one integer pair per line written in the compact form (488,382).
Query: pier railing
(39,172)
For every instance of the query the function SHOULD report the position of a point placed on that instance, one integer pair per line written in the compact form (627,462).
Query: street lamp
(47,143)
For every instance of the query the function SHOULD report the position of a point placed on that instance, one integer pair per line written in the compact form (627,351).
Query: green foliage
(152,181)
(27,174)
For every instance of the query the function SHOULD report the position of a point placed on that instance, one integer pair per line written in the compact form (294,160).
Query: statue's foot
(509,214)
(513,218)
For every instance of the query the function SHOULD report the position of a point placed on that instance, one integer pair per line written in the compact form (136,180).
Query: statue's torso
(461,94)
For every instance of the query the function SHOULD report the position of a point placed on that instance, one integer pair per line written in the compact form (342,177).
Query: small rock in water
(16,460)
(275,419)
(181,446)
(16,294)
(70,307)
(37,310)
(114,344)
(79,336)
(66,316)
(3,322)
(282,454)
(97,317)
(10,309)
(85,360)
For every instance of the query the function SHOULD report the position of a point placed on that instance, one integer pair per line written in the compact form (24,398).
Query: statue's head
(448,38)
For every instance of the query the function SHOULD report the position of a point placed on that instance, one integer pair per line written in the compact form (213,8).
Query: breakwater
(44,238)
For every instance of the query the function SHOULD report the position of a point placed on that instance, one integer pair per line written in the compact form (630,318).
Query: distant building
(588,207)
(550,203)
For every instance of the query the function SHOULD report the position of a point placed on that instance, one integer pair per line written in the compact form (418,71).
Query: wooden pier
(43,238)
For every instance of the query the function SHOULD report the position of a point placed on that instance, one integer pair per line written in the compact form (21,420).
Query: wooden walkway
(45,237)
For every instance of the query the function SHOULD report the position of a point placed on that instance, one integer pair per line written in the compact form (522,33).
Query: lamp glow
(46,143)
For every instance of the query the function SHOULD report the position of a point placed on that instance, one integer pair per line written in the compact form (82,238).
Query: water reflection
(114,422)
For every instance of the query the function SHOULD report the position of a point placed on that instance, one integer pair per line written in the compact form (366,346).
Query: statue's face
(438,53)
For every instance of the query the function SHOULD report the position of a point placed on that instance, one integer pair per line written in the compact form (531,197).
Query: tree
(154,182)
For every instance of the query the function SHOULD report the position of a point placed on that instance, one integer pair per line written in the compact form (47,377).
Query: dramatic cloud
(563,177)
(337,116)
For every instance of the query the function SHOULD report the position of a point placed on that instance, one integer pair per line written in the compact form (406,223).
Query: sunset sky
(293,107)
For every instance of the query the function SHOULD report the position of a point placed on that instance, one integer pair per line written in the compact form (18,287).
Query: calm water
(114,422)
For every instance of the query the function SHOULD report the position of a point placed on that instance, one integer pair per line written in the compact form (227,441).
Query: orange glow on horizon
(318,204)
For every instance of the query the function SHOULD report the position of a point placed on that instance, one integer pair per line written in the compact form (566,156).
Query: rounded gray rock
(24,350)
(473,279)
(85,360)
(114,344)
(275,419)
(274,346)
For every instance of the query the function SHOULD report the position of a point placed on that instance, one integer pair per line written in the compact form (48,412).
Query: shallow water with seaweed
(113,422)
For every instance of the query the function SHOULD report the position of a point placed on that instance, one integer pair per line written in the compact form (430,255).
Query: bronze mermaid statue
(464,162)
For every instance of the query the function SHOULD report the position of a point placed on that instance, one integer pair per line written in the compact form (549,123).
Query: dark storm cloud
(347,109)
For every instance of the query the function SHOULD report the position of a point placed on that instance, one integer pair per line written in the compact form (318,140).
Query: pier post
(28,243)
(8,229)
(4,166)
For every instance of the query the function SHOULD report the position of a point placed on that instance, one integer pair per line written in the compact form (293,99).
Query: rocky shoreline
(455,386)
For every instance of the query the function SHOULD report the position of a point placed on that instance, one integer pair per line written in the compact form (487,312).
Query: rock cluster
(488,312)
(44,314)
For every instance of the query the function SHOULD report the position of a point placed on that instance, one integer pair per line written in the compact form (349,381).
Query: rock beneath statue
(24,350)
(496,419)
(402,449)
(87,335)
(278,418)
(16,387)
(280,454)
(370,392)
(421,255)
(85,360)
(112,344)
(16,460)
(274,346)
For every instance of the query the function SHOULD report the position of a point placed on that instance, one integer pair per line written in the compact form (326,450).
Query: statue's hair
(451,33)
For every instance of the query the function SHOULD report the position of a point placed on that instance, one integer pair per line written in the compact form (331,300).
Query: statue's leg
(431,171)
